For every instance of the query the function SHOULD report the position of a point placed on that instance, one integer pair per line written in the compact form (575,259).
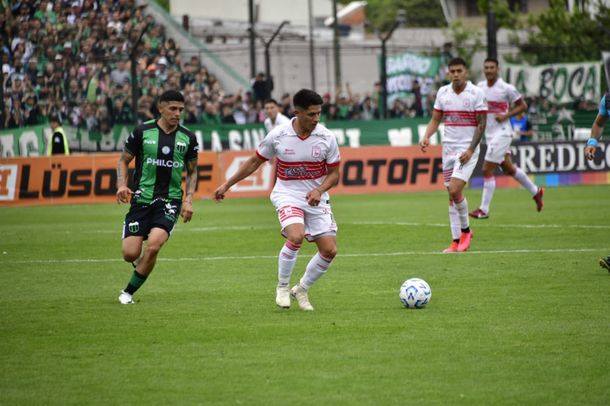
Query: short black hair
(305,98)
(54,118)
(271,101)
(171,95)
(457,61)
(494,60)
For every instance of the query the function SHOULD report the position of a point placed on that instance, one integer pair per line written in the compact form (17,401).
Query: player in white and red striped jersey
(463,109)
(503,101)
(307,167)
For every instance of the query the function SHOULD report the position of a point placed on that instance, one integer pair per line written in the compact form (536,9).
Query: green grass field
(522,319)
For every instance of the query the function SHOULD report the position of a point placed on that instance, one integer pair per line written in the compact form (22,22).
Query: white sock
(462,209)
(525,181)
(286,261)
(489,186)
(454,220)
(316,268)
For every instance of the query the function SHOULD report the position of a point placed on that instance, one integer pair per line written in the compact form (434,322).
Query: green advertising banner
(561,125)
(404,68)
(558,83)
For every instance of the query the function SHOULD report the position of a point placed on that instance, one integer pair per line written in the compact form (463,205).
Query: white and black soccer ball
(415,293)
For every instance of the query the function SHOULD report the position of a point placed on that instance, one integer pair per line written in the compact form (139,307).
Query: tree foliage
(420,13)
(557,35)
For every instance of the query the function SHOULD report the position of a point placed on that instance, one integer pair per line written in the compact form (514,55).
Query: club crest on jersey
(165,150)
(134,227)
(316,151)
(181,147)
(466,103)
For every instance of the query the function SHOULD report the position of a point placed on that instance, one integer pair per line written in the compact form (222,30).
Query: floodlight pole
(134,74)
(384,75)
(267,45)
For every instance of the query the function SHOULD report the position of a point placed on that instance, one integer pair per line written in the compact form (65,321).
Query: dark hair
(457,61)
(54,118)
(171,95)
(494,60)
(305,98)
(271,101)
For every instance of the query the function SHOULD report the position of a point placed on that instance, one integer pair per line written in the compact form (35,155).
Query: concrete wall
(269,11)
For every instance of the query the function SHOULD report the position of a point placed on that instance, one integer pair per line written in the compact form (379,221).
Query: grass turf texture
(522,319)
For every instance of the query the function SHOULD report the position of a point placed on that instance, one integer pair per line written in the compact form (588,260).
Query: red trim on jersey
(261,157)
(301,170)
(494,107)
(333,164)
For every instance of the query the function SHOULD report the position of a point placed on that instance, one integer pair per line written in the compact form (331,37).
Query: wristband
(592,142)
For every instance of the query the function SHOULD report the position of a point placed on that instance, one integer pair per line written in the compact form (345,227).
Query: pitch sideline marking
(248,257)
(363,223)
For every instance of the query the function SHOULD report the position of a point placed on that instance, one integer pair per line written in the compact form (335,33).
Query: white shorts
(453,168)
(318,220)
(497,148)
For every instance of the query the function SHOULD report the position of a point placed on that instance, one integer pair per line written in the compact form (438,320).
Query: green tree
(420,13)
(466,41)
(557,35)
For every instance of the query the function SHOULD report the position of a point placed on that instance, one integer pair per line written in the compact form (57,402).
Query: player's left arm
(191,184)
(596,135)
(479,130)
(332,179)
(520,106)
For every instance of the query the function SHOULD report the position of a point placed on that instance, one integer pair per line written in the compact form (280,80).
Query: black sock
(466,230)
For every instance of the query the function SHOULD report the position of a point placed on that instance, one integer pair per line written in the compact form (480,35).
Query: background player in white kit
(462,107)
(274,117)
(499,134)
(307,167)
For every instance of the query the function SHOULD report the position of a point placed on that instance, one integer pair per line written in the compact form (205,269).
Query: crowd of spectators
(71,59)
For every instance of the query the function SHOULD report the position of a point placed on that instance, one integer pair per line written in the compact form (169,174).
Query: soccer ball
(415,292)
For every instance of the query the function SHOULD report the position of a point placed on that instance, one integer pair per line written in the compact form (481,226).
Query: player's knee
(296,238)
(455,194)
(329,253)
(130,254)
(153,247)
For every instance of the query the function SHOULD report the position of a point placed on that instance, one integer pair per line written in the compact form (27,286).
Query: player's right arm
(245,170)
(123,193)
(435,122)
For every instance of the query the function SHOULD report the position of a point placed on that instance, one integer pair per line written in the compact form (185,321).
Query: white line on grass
(385,223)
(248,257)
(362,223)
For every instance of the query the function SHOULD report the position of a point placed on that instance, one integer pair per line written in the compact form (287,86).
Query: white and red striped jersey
(301,162)
(459,112)
(500,96)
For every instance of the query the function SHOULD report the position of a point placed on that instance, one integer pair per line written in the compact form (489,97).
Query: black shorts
(141,218)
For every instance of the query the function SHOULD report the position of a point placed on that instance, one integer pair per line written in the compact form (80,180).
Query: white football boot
(282,297)
(300,295)
(126,298)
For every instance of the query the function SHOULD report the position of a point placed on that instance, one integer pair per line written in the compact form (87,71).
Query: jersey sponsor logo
(181,147)
(300,170)
(289,151)
(151,142)
(165,163)
(166,150)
